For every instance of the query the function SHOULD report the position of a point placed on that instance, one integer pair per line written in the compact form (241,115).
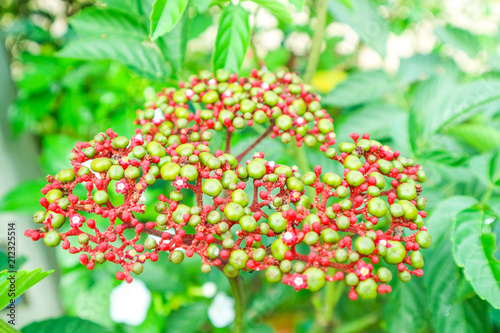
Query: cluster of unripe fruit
(248,215)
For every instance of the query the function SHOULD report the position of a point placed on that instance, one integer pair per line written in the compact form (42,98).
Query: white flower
(212,82)
(288,236)
(265,86)
(300,121)
(221,312)
(298,281)
(142,198)
(159,116)
(87,164)
(129,303)
(382,242)
(189,93)
(208,289)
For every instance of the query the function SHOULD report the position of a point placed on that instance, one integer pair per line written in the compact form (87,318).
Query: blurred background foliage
(420,76)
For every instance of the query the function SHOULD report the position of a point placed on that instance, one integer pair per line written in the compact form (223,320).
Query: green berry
(277,222)
(100,197)
(367,289)
(52,238)
(248,223)
(332,179)
(212,187)
(170,171)
(325,126)
(238,259)
(417,260)
(67,175)
(101,164)
(330,236)
(311,238)
(278,249)
(273,274)
(377,207)
(315,278)
(53,195)
(423,239)
(341,255)
(384,274)
(177,257)
(395,254)
(233,211)
(256,169)
(355,178)
(352,162)
(351,279)
(407,191)
(364,245)
(115,172)
(404,276)
(240,197)
(178,214)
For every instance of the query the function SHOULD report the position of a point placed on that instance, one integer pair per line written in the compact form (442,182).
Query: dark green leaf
(277,9)
(7,328)
(359,88)
(142,57)
(64,325)
(459,38)
(364,18)
(474,247)
(233,37)
(405,305)
(93,22)
(188,319)
(165,15)
(24,280)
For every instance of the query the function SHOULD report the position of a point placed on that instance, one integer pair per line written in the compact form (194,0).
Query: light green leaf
(7,328)
(481,137)
(460,39)
(359,88)
(364,18)
(23,280)
(474,250)
(24,197)
(233,37)
(486,167)
(361,121)
(165,15)
(95,23)
(64,325)
(276,8)
(142,57)
(298,4)
(418,67)
(441,221)
(173,44)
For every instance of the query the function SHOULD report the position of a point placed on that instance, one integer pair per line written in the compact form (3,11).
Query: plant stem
(237,290)
(259,139)
(319,29)
(228,142)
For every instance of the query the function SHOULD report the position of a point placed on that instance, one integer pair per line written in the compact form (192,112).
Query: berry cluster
(248,215)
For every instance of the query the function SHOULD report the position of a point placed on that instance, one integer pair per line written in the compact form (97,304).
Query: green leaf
(361,121)
(188,319)
(474,250)
(460,39)
(24,197)
(142,57)
(487,168)
(64,325)
(418,67)
(165,15)
(173,44)
(441,221)
(363,18)
(6,328)
(298,4)
(95,22)
(23,280)
(359,88)
(405,305)
(233,37)
(279,10)
(481,137)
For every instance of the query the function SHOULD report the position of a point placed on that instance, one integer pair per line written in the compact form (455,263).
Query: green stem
(487,194)
(237,290)
(319,29)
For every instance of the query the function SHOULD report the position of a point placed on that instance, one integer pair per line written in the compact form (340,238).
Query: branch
(253,145)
